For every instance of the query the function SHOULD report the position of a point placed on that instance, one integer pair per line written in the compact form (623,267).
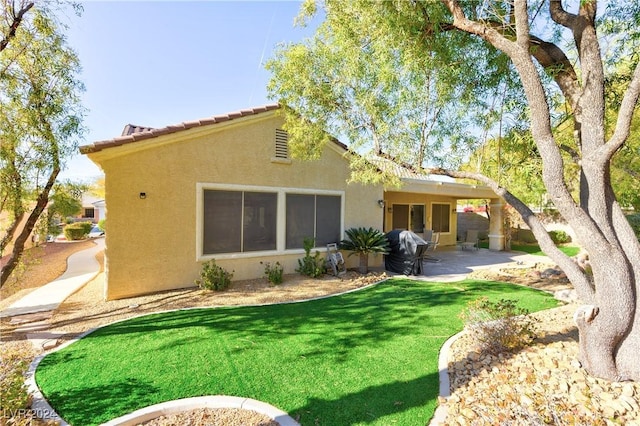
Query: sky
(157,63)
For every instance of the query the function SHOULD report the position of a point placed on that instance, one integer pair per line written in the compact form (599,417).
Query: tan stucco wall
(151,242)
(393,197)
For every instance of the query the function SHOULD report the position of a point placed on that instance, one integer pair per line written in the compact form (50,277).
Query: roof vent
(282,146)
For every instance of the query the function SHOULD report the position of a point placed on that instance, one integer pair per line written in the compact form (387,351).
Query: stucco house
(225,188)
(93,209)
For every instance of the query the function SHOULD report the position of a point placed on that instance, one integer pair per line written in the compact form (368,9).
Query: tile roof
(132,133)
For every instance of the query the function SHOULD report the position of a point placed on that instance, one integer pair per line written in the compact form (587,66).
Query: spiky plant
(363,241)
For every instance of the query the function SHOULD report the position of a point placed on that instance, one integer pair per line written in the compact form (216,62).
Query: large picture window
(440,217)
(312,216)
(244,221)
(239,221)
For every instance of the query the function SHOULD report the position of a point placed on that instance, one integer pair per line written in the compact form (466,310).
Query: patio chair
(421,252)
(471,241)
(432,244)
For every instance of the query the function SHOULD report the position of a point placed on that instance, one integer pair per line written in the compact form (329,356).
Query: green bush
(102,224)
(560,237)
(311,266)
(273,272)
(77,231)
(214,277)
(634,221)
(498,326)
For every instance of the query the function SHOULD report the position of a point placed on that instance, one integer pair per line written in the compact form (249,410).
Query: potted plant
(363,241)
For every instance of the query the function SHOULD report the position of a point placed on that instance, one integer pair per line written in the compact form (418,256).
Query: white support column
(496,225)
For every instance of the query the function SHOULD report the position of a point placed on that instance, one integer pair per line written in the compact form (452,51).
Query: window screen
(440,217)
(236,221)
(222,222)
(300,219)
(313,216)
(259,221)
(327,220)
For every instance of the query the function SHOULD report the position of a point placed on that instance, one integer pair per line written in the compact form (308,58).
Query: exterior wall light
(381,203)
(143,195)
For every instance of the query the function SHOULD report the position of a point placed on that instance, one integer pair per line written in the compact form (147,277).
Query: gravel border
(217,401)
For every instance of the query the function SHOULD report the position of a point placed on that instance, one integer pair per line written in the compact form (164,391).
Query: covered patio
(423,204)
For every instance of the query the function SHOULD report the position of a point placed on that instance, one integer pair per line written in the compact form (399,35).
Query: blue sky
(157,63)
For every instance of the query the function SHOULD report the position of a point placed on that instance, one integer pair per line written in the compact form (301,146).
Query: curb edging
(187,404)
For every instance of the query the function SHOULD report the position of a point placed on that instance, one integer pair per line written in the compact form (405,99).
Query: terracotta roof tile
(133,133)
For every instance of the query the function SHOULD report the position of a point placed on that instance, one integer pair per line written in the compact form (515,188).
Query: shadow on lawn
(338,331)
(77,405)
(330,326)
(372,404)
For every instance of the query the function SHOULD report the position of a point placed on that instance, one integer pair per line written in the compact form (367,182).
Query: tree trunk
(364,263)
(609,322)
(18,245)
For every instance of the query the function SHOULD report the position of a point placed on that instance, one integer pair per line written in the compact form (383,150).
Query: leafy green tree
(390,103)
(40,121)
(548,65)
(65,201)
(513,161)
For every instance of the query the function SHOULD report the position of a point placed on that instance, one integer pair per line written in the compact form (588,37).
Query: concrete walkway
(82,267)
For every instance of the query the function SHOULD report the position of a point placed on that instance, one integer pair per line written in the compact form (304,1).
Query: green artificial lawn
(535,249)
(366,357)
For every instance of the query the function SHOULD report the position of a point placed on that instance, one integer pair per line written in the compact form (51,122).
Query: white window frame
(280,222)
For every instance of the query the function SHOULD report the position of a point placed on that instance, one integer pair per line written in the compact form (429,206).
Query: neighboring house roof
(132,134)
(89,200)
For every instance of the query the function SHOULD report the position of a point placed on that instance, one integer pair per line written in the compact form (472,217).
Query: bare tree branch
(561,16)
(554,60)
(625,115)
(16,20)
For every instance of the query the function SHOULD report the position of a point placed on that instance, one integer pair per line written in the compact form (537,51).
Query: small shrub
(273,272)
(311,266)
(77,231)
(214,277)
(559,237)
(102,223)
(498,326)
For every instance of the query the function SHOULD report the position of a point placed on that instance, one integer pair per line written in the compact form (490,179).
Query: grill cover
(406,251)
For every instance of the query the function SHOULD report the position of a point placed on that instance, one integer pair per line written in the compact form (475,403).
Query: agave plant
(363,241)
